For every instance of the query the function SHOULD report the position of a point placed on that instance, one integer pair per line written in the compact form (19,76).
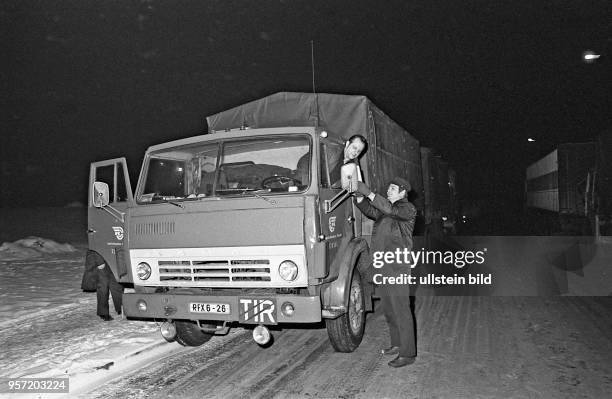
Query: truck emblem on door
(332,224)
(118,232)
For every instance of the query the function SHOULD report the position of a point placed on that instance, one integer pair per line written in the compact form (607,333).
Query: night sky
(84,81)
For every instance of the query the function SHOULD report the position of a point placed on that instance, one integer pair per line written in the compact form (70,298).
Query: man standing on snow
(105,282)
(394,219)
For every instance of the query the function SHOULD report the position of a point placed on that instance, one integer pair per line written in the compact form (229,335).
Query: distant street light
(589,56)
(530,140)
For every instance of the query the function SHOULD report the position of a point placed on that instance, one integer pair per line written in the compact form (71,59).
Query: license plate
(214,308)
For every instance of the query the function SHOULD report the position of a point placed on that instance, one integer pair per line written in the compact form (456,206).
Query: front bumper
(248,309)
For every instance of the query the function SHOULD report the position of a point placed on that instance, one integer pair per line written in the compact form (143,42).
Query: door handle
(90,231)
(350,219)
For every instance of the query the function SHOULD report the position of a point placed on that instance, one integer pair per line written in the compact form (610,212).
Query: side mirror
(100,194)
(349,175)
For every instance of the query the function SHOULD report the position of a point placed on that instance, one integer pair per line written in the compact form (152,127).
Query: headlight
(141,305)
(143,271)
(288,270)
(287,309)
(261,334)
(168,331)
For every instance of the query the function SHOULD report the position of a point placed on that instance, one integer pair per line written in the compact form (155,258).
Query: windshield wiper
(175,203)
(270,200)
(179,204)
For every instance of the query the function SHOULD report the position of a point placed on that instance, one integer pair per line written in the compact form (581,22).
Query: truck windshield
(254,166)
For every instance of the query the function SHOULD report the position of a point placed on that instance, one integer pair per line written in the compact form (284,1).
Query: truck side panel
(541,187)
(575,162)
(558,182)
(604,174)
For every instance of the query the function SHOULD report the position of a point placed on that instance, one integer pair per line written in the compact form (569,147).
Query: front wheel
(346,332)
(189,334)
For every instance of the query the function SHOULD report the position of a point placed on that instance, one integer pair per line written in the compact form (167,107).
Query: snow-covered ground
(49,327)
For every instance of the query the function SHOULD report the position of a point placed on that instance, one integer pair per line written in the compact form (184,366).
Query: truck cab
(239,227)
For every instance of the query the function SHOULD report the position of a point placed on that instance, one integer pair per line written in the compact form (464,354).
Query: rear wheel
(346,332)
(189,334)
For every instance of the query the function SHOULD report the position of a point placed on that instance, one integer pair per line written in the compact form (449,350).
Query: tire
(189,334)
(346,332)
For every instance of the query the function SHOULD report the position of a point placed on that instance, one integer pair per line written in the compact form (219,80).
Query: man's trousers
(106,283)
(395,301)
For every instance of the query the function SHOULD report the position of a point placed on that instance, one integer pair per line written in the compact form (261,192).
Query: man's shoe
(106,318)
(402,361)
(392,350)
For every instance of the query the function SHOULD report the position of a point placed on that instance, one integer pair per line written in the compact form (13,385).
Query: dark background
(84,81)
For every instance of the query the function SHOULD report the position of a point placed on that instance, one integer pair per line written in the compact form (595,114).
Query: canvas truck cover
(392,151)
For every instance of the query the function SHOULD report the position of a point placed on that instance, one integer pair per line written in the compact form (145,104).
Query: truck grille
(214,270)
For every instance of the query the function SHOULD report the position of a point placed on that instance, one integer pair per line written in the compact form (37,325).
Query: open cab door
(336,210)
(110,194)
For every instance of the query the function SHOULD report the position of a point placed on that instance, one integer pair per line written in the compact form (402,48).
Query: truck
(441,208)
(569,191)
(245,226)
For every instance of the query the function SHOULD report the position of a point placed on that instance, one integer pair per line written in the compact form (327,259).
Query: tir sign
(257,311)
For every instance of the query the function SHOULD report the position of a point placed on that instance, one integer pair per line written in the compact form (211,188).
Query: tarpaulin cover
(392,151)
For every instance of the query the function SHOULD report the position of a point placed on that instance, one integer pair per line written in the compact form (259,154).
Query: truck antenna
(314,89)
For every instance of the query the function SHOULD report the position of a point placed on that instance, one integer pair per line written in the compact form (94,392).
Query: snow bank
(49,326)
(32,247)
(38,275)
